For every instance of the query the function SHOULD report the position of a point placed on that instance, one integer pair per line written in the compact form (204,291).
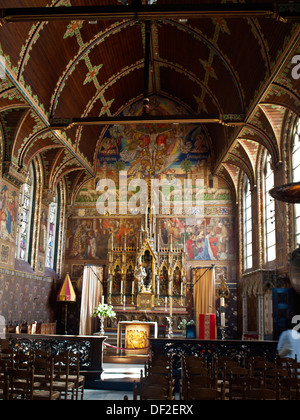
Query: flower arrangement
(104,311)
(184,323)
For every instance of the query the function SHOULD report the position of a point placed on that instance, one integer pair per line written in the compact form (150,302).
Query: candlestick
(181,292)
(102,300)
(122,287)
(132,290)
(166,303)
(171,307)
(170,322)
(158,287)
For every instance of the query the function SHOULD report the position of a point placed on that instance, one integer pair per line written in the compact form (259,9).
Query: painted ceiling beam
(228,119)
(136,10)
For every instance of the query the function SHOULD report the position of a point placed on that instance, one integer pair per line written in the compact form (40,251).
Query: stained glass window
(296,177)
(248,256)
(26,202)
(269,211)
(51,233)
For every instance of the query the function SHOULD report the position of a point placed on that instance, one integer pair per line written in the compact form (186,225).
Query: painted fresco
(8,213)
(208,238)
(162,151)
(89,239)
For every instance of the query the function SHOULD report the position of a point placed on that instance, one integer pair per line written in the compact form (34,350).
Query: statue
(140,274)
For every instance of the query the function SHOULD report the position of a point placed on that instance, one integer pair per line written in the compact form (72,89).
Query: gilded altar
(149,277)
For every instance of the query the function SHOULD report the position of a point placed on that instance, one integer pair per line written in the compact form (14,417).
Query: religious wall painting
(163,151)
(77,270)
(43,231)
(208,238)
(41,264)
(8,212)
(4,254)
(90,239)
(163,281)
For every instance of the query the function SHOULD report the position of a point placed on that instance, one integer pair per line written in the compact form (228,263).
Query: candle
(171,307)
(110,286)
(166,303)
(122,287)
(124,300)
(171,243)
(102,300)
(181,289)
(222,305)
(132,291)
(170,288)
(158,287)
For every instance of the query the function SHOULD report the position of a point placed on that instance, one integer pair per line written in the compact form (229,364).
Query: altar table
(136,335)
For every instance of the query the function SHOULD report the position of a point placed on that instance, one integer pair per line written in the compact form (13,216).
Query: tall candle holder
(170,321)
(223,332)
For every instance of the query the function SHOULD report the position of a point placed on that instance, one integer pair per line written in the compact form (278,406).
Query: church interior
(150,161)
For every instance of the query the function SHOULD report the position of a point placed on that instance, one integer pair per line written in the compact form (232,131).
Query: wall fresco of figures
(208,238)
(165,152)
(89,239)
(8,222)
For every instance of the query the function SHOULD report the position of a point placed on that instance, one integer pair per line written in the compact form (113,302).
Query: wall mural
(163,151)
(89,239)
(8,213)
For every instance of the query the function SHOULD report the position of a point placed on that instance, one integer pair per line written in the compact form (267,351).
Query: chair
(40,354)
(19,384)
(238,384)
(3,368)
(22,361)
(153,392)
(200,394)
(74,374)
(62,381)
(289,388)
(261,394)
(43,380)
(272,377)
(8,355)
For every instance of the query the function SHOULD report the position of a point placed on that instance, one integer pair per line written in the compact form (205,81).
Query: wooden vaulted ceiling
(230,72)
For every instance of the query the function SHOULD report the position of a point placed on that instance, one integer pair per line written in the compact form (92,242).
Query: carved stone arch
(255,133)
(244,165)
(229,173)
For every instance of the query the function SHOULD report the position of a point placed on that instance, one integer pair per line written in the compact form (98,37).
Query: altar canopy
(92,291)
(204,293)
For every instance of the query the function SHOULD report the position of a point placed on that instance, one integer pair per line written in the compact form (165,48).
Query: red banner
(207,326)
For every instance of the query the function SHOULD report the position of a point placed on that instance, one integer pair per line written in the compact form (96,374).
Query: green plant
(184,323)
(104,310)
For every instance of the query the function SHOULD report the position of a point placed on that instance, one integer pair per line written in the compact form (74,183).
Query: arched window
(248,255)
(25,216)
(53,226)
(269,211)
(296,176)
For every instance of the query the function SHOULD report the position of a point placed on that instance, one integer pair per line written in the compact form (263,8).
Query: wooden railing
(90,349)
(177,347)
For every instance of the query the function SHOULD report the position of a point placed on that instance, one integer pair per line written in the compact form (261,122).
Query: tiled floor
(105,395)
